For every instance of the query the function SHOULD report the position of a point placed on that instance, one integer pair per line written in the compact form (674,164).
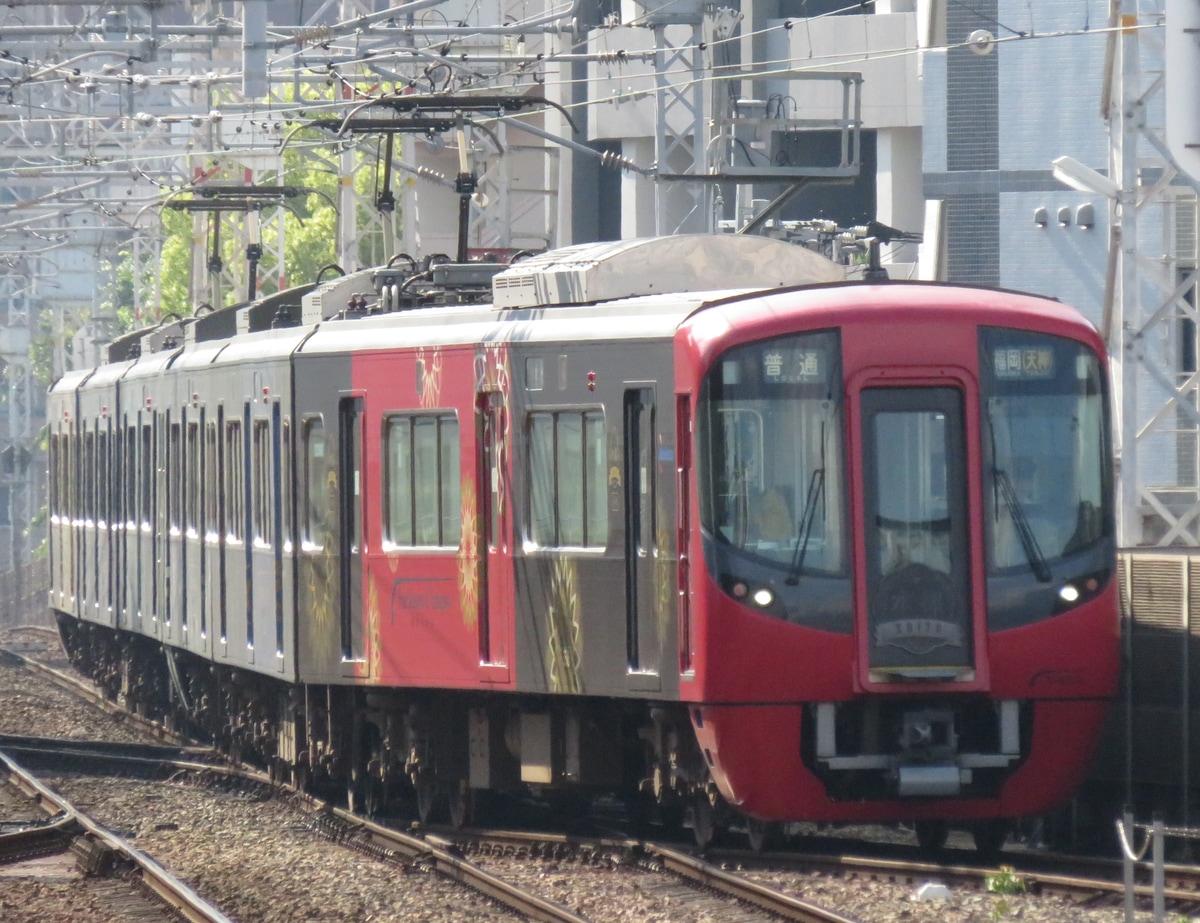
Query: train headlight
(763,597)
(1068,593)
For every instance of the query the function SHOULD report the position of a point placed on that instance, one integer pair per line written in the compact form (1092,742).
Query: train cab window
(770,478)
(771,426)
(1048,515)
(316,501)
(567,480)
(422,477)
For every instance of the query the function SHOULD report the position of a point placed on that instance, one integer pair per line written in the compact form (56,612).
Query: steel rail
(443,861)
(743,889)
(189,905)
(417,850)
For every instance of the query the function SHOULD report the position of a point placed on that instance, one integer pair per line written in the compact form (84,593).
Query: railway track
(751,886)
(98,850)
(653,877)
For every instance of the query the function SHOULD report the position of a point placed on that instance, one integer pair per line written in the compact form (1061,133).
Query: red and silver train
(689,517)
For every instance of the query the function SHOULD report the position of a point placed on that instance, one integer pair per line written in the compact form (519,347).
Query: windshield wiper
(816,486)
(1029,542)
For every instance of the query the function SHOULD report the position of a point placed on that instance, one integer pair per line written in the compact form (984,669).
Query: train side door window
(174,492)
(129,471)
(234,487)
(315,500)
(285,480)
(263,489)
(566,480)
(422,502)
(147,477)
(211,497)
(194,482)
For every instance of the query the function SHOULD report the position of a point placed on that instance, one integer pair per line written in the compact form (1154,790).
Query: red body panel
(755,761)
(422,607)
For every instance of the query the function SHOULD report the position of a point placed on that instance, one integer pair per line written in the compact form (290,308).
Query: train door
(494,572)
(212,562)
(178,478)
(92,541)
(129,523)
(160,532)
(104,544)
(195,597)
(917,544)
(350,529)
(264,539)
(144,547)
(643,643)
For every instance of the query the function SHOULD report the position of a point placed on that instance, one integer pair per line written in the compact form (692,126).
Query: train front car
(900,603)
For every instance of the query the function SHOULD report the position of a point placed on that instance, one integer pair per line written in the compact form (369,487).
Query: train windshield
(770,436)
(1047,475)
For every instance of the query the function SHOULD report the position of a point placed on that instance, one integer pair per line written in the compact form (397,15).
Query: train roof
(591,273)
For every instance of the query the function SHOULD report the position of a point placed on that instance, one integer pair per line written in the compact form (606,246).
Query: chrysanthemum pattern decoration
(468,556)
(664,581)
(429,372)
(492,375)
(322,578)
(564,642)
(374,634)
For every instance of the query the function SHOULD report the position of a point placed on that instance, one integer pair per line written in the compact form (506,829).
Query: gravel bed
(33,705)
(618,892)
(883,902)
(259,860)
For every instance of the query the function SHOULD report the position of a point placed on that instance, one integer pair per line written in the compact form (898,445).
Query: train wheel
(301,777)
(931,834)
(427,791)
(989,836)
(760,833)
(462,805)
(374,796)
(704,821)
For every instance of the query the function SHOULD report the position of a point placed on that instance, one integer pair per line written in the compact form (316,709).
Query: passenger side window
(315,500)
(421,481)
(566,479)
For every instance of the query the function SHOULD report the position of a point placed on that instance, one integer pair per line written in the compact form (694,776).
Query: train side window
(102,479)
(315,473)
(130,475)
(422,481)
(89,474)
(285,475)
(146,469)
(566,479)
(234,487)
(211,496)
(397,487)
(52,479)
(174,488)
(192,505)
(262,499)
